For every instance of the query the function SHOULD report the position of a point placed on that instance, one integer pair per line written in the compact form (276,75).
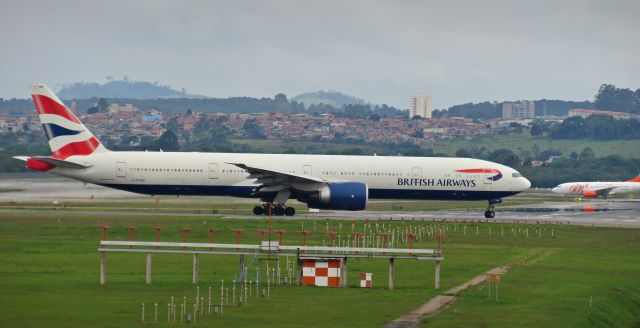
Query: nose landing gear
(490,213)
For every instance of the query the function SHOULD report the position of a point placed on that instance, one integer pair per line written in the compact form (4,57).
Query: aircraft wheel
(258,210)
(278,211)
(290,211)
(489,214)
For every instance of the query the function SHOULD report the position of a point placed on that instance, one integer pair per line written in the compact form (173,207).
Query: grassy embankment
(50,275)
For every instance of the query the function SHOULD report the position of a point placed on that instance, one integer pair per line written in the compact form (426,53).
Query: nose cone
(526,184)
(556,189)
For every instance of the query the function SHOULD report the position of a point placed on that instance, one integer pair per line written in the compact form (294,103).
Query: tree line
(583,166)
(611,98)
(594,127)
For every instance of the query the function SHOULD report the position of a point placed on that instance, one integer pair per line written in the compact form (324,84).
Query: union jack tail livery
(66,135)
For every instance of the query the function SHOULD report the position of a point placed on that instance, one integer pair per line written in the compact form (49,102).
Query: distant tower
(420,105)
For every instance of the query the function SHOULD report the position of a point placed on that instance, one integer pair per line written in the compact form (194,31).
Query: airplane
(598,189)
(321,181)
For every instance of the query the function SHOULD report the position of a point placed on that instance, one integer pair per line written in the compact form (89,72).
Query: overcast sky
(381,51)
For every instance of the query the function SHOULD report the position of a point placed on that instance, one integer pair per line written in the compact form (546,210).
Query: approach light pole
(439,237)
(104,230)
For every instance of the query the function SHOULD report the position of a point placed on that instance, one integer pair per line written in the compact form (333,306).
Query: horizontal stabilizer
(61,163)
(54,161)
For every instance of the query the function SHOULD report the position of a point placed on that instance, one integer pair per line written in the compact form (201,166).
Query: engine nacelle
(589,193)
(350,196)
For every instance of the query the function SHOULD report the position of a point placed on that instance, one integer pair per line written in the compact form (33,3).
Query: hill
(332,98)
(121,89)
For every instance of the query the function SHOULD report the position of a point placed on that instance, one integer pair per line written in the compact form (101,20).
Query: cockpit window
(516,175)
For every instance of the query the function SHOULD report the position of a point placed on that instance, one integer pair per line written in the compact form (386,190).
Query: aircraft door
(487,179)
(121,170)
(486,176)
(416,173)
(213,172)
(306,170)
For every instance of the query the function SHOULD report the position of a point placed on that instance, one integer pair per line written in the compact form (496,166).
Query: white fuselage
(176,173)
(582,188)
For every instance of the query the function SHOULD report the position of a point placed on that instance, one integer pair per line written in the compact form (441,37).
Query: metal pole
(196,269)
(148,277)
(391,260)
(241,268)
(221,295)
(345,271)
(209,299)
(103,268)
(437,282)
(298,268)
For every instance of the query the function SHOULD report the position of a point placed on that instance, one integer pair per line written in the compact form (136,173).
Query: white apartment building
(420,105)
(519,110)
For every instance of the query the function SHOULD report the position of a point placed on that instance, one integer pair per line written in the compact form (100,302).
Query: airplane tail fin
(66,134)
(636,179)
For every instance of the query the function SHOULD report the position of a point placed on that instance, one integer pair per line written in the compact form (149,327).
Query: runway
(611,217)
(614,213)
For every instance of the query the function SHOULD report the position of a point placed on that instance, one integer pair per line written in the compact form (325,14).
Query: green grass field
(50,275)
(589,281)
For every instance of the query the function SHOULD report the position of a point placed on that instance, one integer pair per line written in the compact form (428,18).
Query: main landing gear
(277,210)
(490,213)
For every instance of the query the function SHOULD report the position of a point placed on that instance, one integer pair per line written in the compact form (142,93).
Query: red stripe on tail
(46,105)
(77,148)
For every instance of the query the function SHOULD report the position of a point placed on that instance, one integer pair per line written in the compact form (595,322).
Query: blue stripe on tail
(54,130)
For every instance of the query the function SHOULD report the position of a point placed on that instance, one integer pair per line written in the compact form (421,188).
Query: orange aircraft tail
(636,179)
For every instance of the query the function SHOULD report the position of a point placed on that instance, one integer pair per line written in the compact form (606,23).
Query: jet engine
(589,193)
(351,196)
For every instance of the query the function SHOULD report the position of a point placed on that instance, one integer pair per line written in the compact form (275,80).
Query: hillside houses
(128,125)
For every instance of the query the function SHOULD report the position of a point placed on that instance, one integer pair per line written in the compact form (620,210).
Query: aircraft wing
(605,191)
(271,180)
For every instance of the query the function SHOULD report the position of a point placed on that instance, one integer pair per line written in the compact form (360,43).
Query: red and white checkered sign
(323,273)
(366,279)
